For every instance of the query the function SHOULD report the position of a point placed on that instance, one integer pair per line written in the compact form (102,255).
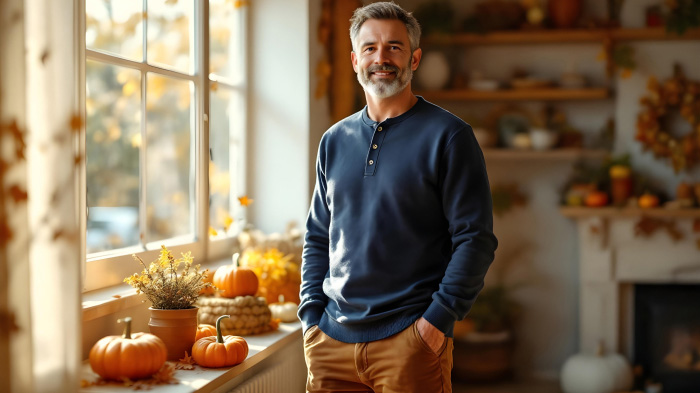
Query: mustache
(376,68)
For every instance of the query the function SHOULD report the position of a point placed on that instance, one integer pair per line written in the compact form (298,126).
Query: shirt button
(374,146)
(371,162)
(379,129)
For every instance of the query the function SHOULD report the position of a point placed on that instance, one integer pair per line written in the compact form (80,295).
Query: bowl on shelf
(484,84)
(542,138)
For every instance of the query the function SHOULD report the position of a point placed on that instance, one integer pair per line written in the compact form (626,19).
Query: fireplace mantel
(613,257)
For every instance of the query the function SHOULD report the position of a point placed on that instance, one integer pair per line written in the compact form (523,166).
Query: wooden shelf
(652,34)
(535,155)
(545,36)
(627,212)
(545,94)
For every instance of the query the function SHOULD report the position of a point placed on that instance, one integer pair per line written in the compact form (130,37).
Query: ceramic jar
(564,13)
(177,329)
(434,71)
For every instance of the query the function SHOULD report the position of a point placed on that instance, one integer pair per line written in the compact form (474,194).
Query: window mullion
(119,61)
(143,192)
(143,201)
(202,134)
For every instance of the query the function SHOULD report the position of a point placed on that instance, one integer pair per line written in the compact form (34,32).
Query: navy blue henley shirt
(400,225)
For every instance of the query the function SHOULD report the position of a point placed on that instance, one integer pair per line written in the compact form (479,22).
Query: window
(159,130)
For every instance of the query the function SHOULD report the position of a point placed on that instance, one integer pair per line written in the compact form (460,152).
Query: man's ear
(353,59)
(415,58)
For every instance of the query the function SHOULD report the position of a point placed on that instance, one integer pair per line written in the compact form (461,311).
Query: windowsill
(201,379)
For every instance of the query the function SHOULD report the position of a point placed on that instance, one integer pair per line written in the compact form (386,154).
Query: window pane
(221,145)
(169,158)
(113,125)
(225,46)
(115,26)
(171,34)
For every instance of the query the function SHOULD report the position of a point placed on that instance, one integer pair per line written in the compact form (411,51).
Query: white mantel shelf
(627,212)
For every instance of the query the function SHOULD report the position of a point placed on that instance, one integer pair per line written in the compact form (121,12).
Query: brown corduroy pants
(402,363)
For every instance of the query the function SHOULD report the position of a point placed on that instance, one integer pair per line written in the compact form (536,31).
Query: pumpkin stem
(219,338)
(127,327)
(235,259)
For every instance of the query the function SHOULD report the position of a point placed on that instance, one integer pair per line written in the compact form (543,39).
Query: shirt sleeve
(315,254)
(467,205)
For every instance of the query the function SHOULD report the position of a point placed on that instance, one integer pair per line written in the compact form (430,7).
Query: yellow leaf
(228,220)
(245,201)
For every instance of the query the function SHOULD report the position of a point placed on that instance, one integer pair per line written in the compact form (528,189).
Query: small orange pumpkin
(233,280)
(205,330)
(218,351)
(128,356)
(648,200)
(596,199)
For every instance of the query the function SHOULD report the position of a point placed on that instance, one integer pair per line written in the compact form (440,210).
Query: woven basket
(249,314)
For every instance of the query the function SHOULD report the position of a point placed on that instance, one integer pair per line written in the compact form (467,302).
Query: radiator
(286,374)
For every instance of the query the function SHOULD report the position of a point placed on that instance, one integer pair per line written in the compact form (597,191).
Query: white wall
(279,113)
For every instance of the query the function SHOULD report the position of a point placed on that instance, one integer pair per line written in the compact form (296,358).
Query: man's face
(382,57)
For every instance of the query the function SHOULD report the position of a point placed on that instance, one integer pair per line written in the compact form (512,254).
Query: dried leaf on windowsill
(186,363)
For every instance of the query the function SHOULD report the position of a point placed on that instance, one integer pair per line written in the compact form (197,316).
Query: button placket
(373,153)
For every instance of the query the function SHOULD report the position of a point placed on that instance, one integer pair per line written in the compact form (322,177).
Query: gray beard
(382,89)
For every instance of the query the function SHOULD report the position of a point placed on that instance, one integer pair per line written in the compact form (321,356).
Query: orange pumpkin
(132,356)
(205,330)
(647,201)
(596,199)
(208,277)
(218,351)
(233,280)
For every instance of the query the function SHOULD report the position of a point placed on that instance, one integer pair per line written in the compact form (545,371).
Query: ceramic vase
(177,329)
(434,71)
(564,13)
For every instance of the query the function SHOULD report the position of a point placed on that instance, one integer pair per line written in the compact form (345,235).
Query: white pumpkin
(285,311)
(596,373)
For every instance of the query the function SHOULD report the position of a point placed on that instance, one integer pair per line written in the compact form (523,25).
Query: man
(399,233)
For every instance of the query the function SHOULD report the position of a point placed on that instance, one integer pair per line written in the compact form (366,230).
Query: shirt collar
(393,120)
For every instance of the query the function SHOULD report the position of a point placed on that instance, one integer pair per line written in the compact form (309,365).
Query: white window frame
(109,268)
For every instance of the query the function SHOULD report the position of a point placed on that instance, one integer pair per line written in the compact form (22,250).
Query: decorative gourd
(599,373)
(647,201)
(233,280)
(132,356)
(218,351)
(596,199)
(205,330)
(285,311)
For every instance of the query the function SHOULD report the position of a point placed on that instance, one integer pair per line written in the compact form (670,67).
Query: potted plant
(484,341)
(172,285)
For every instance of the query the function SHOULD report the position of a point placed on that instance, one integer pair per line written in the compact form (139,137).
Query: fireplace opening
(667,335)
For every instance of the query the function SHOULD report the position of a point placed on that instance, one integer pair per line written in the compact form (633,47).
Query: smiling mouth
(383,74)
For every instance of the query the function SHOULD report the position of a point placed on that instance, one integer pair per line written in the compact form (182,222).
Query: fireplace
(667,335)
(640,295)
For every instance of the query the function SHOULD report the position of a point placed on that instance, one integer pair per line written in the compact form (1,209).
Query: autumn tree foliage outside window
(148,106)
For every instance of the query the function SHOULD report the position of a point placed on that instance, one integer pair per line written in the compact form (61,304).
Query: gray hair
(385,10)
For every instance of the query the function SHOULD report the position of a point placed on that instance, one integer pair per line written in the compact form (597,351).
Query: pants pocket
(424,344)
